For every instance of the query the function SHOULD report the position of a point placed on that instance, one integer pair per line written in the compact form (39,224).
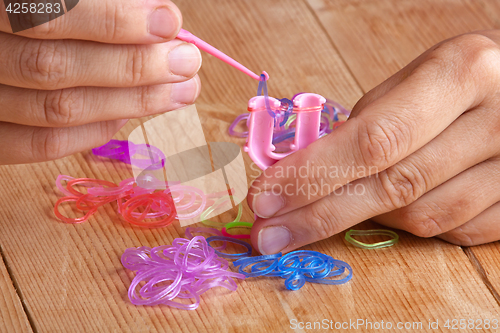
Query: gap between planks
(482,272)
(332,43)
(18,291)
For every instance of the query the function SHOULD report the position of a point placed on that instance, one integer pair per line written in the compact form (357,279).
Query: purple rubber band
(125,151)
(186,269)
(238,119)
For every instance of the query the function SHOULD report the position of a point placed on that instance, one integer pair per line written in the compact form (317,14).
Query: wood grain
(376,38)
(12,315)
(71,277)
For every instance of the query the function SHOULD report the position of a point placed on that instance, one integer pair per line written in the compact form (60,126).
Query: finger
(108,21)
(482,229)
(25,144)
(57,64)
(386,131)
(447,155)
(84,105)
(450,205)
(391,82)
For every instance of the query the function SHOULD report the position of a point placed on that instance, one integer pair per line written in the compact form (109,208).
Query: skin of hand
(70,84)
(420,152)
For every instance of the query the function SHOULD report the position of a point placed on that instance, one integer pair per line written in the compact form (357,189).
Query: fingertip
(270,238)
(165,21)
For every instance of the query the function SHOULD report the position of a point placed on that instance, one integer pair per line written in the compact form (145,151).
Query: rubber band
(60,186)
(189,234)
(125,151)
(236,224)
(211,209)
(231,240)
(186,269)
(70,220)
(374,232)
(262,88)
(238,119)
(297,267)
(137,205)
(148,200)
(86,182)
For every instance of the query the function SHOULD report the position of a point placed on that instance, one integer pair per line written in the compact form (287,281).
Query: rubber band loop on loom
(231,240)
(263,88)
(375,232)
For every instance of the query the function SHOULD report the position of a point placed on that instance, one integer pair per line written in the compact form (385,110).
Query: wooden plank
(12,315)
(376,38)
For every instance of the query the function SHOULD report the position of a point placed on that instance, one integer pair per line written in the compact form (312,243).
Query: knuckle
(428,221)
(136,65)
(402,185)
(47,144)
(63,107)
(381,142)
(322,222)
(114,27)
(43,64)
(467,59)
(147,100)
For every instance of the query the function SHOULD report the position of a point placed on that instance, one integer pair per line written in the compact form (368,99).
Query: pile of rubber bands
(190,267)
(186,269)
(296,267)
(149,205)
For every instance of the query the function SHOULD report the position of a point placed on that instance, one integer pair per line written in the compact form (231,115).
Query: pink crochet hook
(190,38)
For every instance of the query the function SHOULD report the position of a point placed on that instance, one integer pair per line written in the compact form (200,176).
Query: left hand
(421,152)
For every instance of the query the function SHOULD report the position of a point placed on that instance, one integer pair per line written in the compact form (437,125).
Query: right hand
(70,84)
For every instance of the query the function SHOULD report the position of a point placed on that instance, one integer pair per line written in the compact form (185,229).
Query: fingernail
(266,204)
(184,92)
(273,240)
(122,123)
(163,22)
(184,60)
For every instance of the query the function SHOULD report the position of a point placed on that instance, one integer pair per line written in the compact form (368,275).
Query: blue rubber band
(295,281)
(297,267)
(231,240)
(288,111)
(270,262)
(284,135)
(263,88)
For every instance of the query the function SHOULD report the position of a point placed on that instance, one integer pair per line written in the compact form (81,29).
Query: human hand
(420,152)
(70,84)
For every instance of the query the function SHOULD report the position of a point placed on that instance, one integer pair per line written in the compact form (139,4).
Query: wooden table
(56,277)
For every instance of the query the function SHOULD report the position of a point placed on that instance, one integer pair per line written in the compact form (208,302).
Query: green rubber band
(238,224)
(289,121)
(375,232)
(210,210)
